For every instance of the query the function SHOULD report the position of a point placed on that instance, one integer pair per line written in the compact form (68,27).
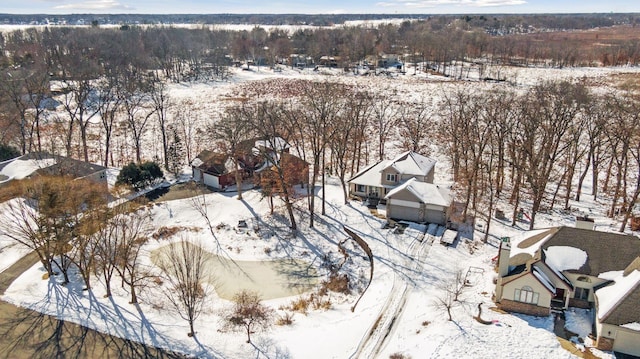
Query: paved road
(28,334)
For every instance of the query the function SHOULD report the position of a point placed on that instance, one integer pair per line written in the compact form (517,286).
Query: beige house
(553,269)
(379,179)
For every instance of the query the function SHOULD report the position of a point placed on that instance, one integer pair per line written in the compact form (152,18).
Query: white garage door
(211,181)
(628,343)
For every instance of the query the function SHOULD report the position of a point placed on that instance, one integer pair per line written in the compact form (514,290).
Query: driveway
(28,334)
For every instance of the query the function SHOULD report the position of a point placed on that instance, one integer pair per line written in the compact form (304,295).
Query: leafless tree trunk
(186,270)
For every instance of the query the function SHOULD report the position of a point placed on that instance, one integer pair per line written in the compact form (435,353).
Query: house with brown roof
(552,269)
(213,169)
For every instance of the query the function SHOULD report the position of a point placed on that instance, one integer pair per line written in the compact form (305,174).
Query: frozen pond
(271,279)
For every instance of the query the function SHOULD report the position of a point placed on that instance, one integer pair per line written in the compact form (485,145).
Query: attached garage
(627,342)
(418,202)
(213,169)
(405,210)
(211,180)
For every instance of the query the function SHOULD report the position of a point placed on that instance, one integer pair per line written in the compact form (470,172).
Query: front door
(558,299)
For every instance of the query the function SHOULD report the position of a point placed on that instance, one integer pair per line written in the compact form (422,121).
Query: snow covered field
(421,328)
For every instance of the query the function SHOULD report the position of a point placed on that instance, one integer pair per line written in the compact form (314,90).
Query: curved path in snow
(383,327)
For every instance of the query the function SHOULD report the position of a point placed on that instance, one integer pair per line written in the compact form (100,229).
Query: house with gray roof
(549,270)
(43,163)
(380,178)
(419,202)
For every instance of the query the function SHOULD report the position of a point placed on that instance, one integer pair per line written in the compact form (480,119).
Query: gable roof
(43,163)
(411,163)
(370,176)
(523,271)
(617,304)
(212,163)
(427,193)
(407,163)
(606,251)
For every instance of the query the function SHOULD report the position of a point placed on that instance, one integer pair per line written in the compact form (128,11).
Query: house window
(360,188)
(392,177)
(526,295)
(584,279)
(581,293)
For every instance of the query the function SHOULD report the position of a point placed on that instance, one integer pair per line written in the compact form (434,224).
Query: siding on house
(509,293)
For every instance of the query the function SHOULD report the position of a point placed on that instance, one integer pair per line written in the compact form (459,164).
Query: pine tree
(175,153)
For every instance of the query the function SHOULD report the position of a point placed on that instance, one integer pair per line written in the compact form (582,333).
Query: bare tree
(345,134)
(161,102)
(131,234)
(137,107)
(248,314)
(450,292)
(385,118)
(47,218)
(231,130)
(415,120)
(186,268)
(109,102)
(266,120)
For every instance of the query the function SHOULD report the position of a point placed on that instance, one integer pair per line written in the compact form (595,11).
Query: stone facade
(604,343)
(525,308)
(579,303)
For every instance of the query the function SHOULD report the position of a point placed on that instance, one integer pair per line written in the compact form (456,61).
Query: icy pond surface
(271,279)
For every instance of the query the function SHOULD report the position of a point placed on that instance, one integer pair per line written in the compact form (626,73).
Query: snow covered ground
(421,328)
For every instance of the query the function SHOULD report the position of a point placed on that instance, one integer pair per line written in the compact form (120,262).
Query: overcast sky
(315,7)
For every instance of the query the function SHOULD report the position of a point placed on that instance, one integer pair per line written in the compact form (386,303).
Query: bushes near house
(139,175)
(8,152)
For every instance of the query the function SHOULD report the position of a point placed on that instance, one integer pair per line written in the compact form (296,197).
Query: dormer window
(392,177)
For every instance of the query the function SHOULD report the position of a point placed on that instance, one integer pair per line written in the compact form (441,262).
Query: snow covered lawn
(422,330)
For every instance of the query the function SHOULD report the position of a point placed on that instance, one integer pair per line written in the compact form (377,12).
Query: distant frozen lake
(270,279)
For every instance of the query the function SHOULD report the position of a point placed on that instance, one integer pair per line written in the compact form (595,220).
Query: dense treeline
(535,149)
(87,92)
(497,21)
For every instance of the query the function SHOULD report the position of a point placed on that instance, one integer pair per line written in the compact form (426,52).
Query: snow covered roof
(565,258)
(213,163)
(543,279)
(605,251)
(411,163)
(370,176)
(22,168)
(45,163)
(526,246)
(618,303)
(427,193)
